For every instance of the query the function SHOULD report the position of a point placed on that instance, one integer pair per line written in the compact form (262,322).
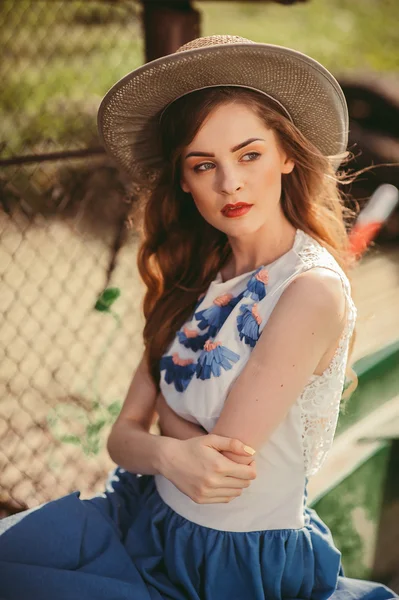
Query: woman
(249,319)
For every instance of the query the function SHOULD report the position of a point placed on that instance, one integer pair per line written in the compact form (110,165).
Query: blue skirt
(127,544)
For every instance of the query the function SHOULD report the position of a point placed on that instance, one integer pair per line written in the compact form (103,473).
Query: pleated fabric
(127,544)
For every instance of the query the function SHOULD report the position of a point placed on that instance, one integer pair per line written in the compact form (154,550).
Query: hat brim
(128,116)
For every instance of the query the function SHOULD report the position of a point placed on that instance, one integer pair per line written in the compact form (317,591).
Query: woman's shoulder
(310,281)
(318,288)
(320,278)
(313,301)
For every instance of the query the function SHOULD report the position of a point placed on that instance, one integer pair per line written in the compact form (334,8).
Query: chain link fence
(66,362)
(58,58)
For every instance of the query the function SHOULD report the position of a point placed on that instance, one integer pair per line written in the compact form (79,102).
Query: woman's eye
(205,165)
(208,166)
(251,155)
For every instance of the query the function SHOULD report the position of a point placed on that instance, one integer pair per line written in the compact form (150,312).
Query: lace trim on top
(320,400)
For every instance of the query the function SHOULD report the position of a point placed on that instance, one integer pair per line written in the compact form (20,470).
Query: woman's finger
(232,469)
(225,496)
(232,483)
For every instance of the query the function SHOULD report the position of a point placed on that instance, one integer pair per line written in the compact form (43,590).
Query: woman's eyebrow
(238,147)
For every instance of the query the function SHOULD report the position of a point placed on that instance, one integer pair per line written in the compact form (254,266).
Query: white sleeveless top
(205,359)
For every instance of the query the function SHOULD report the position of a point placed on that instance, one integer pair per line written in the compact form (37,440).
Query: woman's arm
(193,465)
(174,426)
(307,320)
(130,444)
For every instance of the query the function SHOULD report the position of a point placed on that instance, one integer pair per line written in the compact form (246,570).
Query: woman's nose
(230,182)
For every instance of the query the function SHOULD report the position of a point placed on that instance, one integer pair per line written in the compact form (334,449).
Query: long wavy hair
(181,253)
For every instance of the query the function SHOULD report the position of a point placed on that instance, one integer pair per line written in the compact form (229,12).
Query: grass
(60,57)
(344,35)
(59,60)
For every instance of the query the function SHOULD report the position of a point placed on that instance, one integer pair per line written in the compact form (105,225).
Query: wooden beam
(168,25)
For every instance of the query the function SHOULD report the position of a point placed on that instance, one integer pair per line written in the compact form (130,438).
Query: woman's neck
(261,248)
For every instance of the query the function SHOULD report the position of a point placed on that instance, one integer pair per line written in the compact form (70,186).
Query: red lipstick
(236,210)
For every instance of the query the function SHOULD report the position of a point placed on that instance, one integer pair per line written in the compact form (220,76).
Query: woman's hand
(199,470)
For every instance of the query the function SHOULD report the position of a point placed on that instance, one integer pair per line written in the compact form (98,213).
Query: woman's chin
(240,227)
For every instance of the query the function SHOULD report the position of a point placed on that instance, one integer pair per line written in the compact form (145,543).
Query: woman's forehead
(230,124)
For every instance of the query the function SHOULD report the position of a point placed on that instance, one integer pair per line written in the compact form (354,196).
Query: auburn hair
(181,253)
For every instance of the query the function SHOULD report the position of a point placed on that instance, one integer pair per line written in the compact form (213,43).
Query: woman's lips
(235,210)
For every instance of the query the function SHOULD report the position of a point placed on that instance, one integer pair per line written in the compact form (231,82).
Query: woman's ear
(184,186)
(287,166)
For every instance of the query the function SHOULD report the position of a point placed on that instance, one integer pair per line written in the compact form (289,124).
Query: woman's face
(233,159)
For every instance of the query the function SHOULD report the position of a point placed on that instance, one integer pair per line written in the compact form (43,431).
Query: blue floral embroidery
(256,286)
(217,313)
(213,359)
(194,342)
(179,374)
(248,322)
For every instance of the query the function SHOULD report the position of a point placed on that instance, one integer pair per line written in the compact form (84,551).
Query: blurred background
(71,333)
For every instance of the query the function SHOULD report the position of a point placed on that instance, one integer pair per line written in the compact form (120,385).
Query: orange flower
(182,362)
(256,315)
(208,346)
(263,276)
(223,300)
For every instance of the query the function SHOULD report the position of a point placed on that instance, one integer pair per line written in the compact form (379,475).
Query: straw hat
(310,96)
